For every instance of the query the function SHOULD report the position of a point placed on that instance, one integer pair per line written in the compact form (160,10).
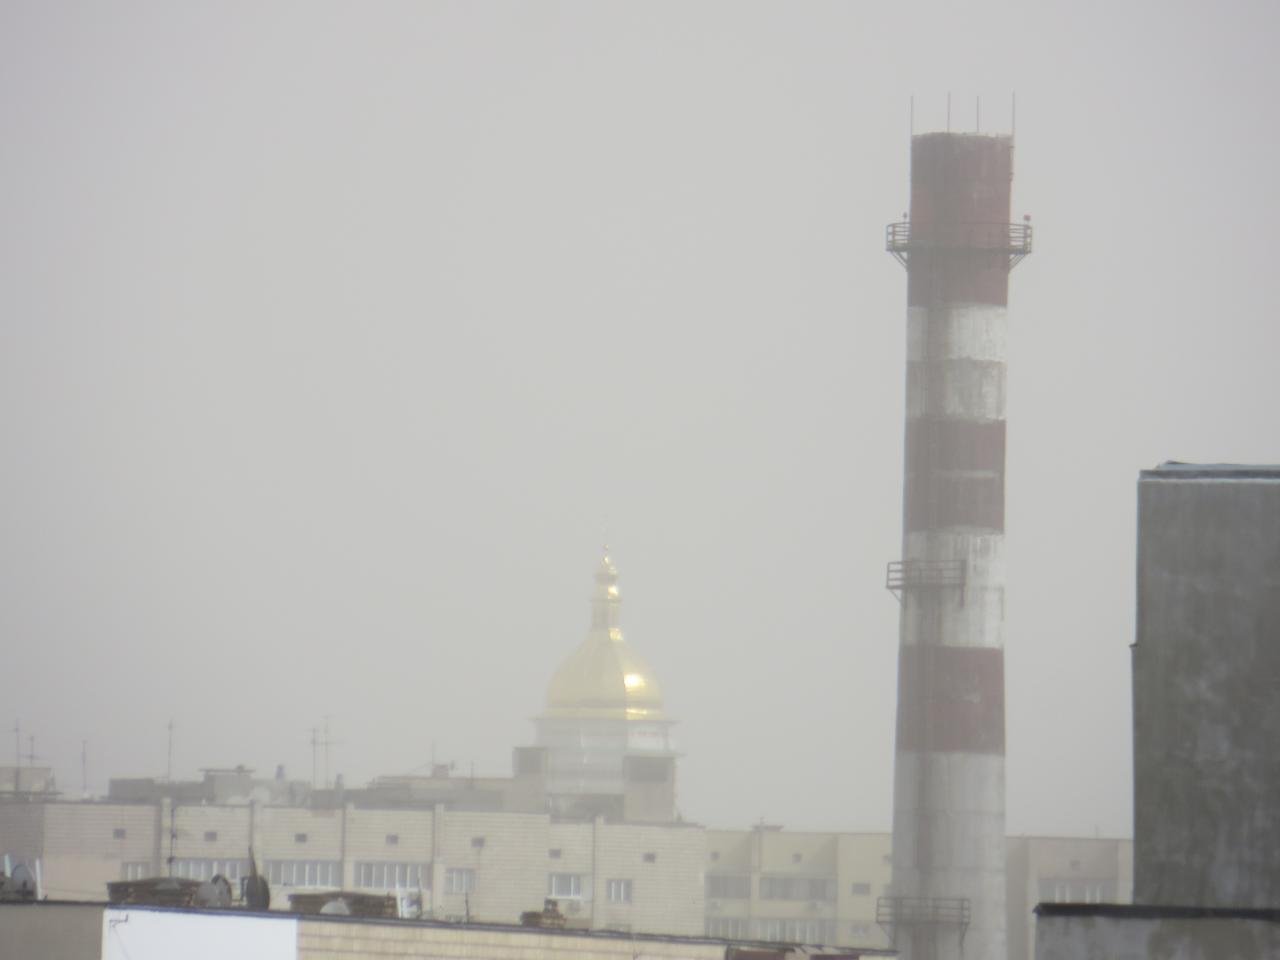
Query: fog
(335,339)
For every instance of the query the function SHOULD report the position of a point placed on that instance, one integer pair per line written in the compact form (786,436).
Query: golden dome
(604,677)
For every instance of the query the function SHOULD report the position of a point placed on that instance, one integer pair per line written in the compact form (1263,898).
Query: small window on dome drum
(648,769)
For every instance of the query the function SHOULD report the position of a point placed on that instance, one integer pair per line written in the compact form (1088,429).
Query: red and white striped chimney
(948,892)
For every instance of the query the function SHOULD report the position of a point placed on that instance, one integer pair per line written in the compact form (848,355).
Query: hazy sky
(332,336)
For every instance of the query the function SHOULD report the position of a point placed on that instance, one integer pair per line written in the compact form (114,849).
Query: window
(379,875)
(564,886)
(648,769)
(118,833)
(821,888)
(477,843)
(1064,890)
(205,868)
(650,858)
(393,839)
(728,928)
(459,880)
(775,888)
(135,870)
(725,886)
(860,889)
(304,873)
(211,836)
(796,931)
(797,888)
(299,838)
(618,891)
(554,854)
(769,929)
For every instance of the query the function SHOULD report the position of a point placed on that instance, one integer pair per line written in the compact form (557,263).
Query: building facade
(1086,931)
(1206,671)
(1206,676)
(763,883)
(1061,870)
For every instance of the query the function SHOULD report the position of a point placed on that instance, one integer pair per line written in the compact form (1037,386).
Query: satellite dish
(336,908)
(214,894)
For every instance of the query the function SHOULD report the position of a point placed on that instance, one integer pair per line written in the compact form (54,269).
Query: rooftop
(1176,470)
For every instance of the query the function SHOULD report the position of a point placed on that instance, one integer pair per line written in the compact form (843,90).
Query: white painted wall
(133,934)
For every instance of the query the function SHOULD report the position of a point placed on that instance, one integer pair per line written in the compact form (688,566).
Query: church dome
(604,677)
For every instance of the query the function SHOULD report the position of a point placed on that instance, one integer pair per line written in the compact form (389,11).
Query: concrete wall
(1063,870)
(22,829)
(507,851)
(84,846)
(865,870)
(92,932)
(369,836)
(1206,670)
(664,865)
(857,865)
(298,833)
(57,931)
(213,832)
(335,940)
(1087,937)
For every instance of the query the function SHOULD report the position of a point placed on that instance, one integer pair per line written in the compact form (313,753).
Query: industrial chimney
(948,893)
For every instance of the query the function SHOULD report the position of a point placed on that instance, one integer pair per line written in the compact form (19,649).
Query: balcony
(1011,239)
(893,913)
(903,575)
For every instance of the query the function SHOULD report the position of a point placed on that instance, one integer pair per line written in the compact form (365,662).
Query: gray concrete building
(1061,870)
(1206,729)
(1206,687)
(1089,931)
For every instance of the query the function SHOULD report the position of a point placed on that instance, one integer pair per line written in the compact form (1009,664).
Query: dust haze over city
(337,339)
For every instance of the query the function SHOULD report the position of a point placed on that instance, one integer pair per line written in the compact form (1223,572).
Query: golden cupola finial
(604,677)
(605,601)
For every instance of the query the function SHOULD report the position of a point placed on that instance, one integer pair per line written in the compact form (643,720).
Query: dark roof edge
(1131,911)
(1176,470)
